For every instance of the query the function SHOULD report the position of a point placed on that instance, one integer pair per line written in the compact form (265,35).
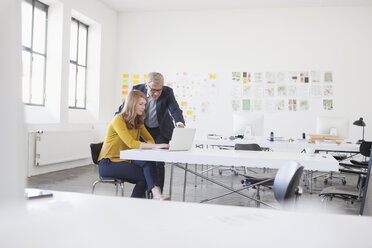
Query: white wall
(101,73)
(12,132)
(280,39)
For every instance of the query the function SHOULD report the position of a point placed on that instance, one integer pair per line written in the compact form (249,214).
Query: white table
(282,146)
(313,162)
(81,220)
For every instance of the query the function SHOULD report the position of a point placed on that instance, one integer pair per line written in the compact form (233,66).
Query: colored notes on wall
(194,92)
(128,81)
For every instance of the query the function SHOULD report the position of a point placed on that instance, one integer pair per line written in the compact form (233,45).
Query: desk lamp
(360,123)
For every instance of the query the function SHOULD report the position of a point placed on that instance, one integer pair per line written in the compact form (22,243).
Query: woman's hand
(145,145)
(162,146)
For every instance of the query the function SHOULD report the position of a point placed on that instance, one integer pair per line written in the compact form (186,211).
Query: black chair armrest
(359,162)
(354,166)
(353,172)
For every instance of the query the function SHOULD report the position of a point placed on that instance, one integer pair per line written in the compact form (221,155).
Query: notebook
(37,193)
(182,139)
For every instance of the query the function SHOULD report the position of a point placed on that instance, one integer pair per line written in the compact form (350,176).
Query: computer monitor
(333,125)
(243,120)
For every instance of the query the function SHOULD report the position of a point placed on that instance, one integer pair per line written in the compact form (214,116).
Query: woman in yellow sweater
(124,133)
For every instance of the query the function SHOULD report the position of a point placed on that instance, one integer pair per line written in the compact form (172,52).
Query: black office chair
(360,168)
(250,147)
(95,149)
(255,177)
(364,150)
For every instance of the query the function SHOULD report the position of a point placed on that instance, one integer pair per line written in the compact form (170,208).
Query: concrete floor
(81,179)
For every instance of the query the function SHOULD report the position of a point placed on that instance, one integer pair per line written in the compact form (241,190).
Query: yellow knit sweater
(119,137)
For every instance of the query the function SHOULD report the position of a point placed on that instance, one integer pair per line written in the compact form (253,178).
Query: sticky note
(125,81)
(211,76)
(124,92)
(189,112)
(125,86)
(136,76)
(183,103)
(135,81)
(125,75)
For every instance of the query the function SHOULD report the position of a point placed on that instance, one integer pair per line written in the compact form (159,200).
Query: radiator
(52,147)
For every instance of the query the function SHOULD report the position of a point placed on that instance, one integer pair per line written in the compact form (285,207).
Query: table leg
(310,181)
(171,180)
(202,171)
(196,178)
(231,189)
(184,184)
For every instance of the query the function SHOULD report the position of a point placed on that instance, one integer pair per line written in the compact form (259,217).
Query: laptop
(182,139)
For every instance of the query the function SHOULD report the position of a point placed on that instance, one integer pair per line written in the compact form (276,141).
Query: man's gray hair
(155,77)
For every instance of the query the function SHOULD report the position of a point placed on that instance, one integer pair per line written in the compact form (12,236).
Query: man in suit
(161,109)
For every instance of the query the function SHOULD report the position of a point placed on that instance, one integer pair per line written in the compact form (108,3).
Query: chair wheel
(325,181)
(343,181)
(220,172)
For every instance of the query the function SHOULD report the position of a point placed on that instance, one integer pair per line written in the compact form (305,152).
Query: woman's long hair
(129,114)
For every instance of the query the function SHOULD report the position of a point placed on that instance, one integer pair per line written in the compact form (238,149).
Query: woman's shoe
(162,198)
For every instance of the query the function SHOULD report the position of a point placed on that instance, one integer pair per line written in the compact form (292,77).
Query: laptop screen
(182,139)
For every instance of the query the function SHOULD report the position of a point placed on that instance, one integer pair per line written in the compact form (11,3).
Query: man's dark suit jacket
(166,106)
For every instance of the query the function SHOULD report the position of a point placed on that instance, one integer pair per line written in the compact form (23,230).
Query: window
(34,41)
(78,64)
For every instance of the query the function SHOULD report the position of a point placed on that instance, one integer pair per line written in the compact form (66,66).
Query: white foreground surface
(81,220)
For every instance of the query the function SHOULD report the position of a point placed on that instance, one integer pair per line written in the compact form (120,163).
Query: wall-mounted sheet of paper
(270,77)
(292,104)
(281,77)
(257,105)
(258,77)
(328,104)
(292,90)
(236,105)
(280,105)
(293,77)
(328,77)
(247,90)
(328,90)
(282,90)
(304,77)
(315,76)
(270,91)
(258,91)
(270,105)
(303,90)
(246,104)
(304,105)
(316,90)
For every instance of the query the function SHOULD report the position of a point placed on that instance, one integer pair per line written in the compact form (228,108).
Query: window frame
(45,8)
(76,64)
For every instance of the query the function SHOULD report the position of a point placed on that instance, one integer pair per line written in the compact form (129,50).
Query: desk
(282,146)
(81,220)
(275,160)
(314,162)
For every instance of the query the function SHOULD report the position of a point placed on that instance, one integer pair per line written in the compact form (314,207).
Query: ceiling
(171,5)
